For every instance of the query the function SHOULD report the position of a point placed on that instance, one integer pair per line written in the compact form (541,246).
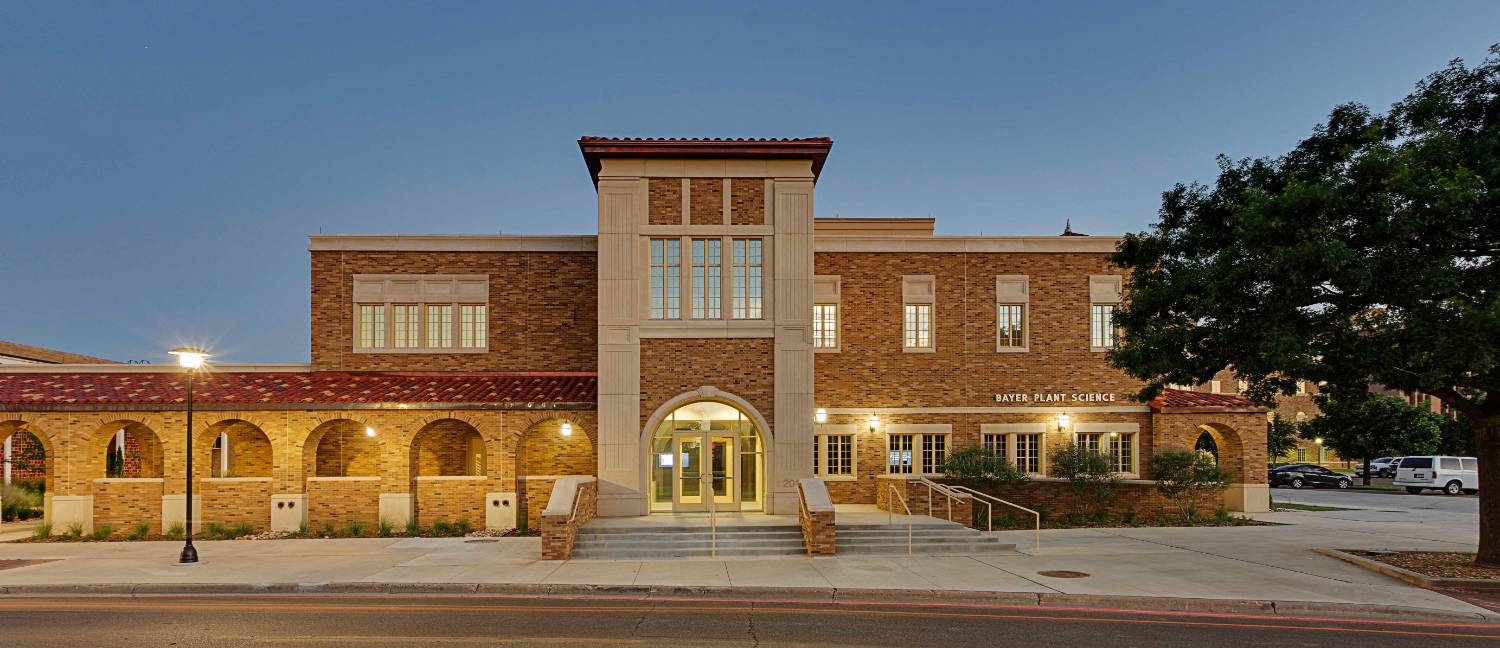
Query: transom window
(918,326)
(825,326)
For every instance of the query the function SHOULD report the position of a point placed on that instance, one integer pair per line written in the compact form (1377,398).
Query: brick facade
(450,500)
(241,500)
(664,201)
(121,503)
(741,366)
(747,204)
(542,310)
(339,501)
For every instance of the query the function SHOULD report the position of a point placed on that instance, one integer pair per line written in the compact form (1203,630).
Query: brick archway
(31,453)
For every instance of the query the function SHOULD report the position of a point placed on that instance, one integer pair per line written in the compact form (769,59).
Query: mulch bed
(1436,564)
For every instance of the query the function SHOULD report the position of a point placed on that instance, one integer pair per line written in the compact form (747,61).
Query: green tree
(1281,437)
(1363,425)
(1365,254)
(1184,476)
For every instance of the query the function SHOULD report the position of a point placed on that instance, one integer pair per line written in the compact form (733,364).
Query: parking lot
(1396,500)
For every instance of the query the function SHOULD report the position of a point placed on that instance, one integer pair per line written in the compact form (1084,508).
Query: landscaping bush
(1185,477)
(355,529)
(19,502)
(175,532)
(975,466)
(103,532)
(1090,474)
(383,528)
(75,531)
(42,531)
(138,531)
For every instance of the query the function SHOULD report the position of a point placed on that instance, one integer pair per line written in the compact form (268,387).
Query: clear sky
(161,165)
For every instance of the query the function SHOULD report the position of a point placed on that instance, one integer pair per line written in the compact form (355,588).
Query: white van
(1452,475)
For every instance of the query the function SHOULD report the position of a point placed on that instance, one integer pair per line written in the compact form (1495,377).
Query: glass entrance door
(704,467)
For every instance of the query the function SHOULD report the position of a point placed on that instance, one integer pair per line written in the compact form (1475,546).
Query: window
(920,454)
(408,323)
(898,453)
(1011,323)
(439,326)
(1301,454)
(1028,453)
(666,278)
(918,326)
(1012,295)
(1102,326)
(995,443)
(1122,446)
(372,326)
(473,326)
(707,278)
(410,313)
(747,279)
(833,455)
(1091,442)
(1450,463)
(1214,387)
(825,326)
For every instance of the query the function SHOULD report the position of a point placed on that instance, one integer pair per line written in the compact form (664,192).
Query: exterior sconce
(567,429)
(1318,440)
(1113,434)
(874,422)
(369,431)
(820,416)
(1063,422)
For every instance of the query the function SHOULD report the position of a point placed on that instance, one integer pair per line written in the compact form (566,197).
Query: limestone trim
(453,243)
(436,478)
(342,479)
(128,480)
(1126,409)
(707,328)
(234,480)
(701,230)
(960,244)
(823,430)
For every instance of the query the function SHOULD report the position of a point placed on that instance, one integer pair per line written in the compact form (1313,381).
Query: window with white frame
(825,326)
(1105,292)
(666,277)
(833,454)
(439,326)
(1091,442)
(707,277)
(747,278)
(416,313)
(918,295)
(1012,297)
(918,449)
(1027,449)
(1115,440)
(1018,443)
(996,445)
(1122,448)
(473,325)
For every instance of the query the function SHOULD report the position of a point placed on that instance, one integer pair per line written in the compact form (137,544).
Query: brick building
(709,346)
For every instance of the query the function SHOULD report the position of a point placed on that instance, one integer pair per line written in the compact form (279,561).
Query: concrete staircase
(930,537)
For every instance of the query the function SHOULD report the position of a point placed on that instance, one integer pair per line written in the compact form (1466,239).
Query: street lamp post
(190,359)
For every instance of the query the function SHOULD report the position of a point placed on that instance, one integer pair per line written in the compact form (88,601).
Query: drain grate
(1063,573)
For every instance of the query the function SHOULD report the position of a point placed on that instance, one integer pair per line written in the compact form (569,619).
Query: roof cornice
(452,243)
(595,149)
(1035,244)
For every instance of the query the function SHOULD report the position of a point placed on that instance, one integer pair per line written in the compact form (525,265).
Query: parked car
(1382,467)
(1303,475)
(1452,475)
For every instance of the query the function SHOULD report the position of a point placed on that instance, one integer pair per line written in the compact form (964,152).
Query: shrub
(1130,517)
(1221,515)
(138,531)
(1185,476)
(1091,475)
(977,466)
(441,528)
(355,529)
(75,530)
(19,502)
(383,528)
(241,530)
(462,528)
(176,532)
(412,530)
(104,531)
(328,531)
(213,531)
(42,531)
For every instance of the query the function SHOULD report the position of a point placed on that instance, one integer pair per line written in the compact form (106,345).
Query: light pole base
(189,554)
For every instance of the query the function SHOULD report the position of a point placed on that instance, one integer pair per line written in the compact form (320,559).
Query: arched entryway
(706,449)
(448,463)
(131,450)
(232,463)
(554,446)
(26,461)
(127,470)
(342,448)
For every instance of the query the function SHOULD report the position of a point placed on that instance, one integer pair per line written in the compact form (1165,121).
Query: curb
(1409,576)
(937,597)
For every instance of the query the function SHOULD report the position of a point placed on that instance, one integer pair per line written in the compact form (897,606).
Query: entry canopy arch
(127,448)
(31,451)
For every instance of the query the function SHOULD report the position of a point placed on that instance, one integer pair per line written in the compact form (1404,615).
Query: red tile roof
(806,148)
(1184,398)
(517,389)
(47,356)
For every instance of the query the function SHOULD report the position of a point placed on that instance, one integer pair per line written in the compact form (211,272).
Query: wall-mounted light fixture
(1318,440)
(820,416)
(369,431)
(567,429)
(874,422)
(1063,421)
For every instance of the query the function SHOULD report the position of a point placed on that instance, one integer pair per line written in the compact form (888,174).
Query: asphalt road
(1392,500)
(318,620)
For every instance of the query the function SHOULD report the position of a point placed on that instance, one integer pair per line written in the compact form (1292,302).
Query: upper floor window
(918,295)
(707,277)
(1012,298)
(747,278)
(1104,294)
(666,278)
(416,313)
(825,326)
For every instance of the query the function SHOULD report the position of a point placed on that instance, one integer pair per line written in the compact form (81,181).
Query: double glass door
(705,466)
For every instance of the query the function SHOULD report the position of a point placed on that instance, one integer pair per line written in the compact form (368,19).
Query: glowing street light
(191,359)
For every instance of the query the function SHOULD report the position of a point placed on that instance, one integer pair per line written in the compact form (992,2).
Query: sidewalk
(1257,564)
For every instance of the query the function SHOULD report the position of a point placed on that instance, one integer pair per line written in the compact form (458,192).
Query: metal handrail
(706,481)
(946,492)
(891,512)
(990,511)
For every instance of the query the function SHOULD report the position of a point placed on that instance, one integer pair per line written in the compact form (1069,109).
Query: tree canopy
(1365,426)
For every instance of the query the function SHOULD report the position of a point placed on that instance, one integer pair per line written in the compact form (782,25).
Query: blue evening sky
(161,165)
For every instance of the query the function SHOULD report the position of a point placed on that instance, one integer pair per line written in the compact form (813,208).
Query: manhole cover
(1062,574)
(13,564)
(480,541)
